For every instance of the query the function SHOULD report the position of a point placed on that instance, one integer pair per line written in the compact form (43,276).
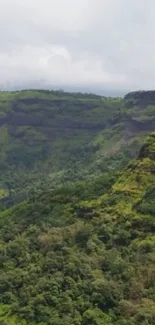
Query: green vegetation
(83,254)
(52,138)
(77,243)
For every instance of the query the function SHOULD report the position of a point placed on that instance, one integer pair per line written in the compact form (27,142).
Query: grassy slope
(68,259)
(50,138)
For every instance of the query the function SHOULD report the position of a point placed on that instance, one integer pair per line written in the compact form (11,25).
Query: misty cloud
(106,43)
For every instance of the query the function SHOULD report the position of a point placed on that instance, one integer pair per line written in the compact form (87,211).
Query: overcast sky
(91,43)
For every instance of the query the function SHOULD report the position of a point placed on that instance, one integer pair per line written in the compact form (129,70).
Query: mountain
(52,138)
(69,256)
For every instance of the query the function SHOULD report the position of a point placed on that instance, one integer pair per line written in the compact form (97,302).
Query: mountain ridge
(50,138)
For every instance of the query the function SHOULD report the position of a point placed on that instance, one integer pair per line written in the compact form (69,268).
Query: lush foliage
(83,255)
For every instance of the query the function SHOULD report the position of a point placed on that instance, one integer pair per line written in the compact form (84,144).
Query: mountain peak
(140,97)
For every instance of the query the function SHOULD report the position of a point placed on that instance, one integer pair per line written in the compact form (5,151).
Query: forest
(77,243)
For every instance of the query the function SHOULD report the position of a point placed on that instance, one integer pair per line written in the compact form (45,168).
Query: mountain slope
(48,138)
(138,176)
(65,260)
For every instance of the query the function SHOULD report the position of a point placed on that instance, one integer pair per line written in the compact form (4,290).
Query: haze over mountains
(94,89)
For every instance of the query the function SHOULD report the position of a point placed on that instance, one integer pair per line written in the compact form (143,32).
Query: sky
(92,44)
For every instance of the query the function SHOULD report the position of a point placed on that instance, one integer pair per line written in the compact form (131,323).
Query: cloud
(106,43)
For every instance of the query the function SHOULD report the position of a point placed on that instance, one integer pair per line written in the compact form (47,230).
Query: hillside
(68,257)
(51,138)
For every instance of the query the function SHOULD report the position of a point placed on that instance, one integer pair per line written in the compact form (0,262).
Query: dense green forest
(79,247)
(68,257)
(51,138)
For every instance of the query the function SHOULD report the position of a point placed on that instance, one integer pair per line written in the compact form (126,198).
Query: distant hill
(52,138)
(71,257)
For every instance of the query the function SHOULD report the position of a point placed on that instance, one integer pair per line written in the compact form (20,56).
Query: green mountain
(70,257)
(52,138)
